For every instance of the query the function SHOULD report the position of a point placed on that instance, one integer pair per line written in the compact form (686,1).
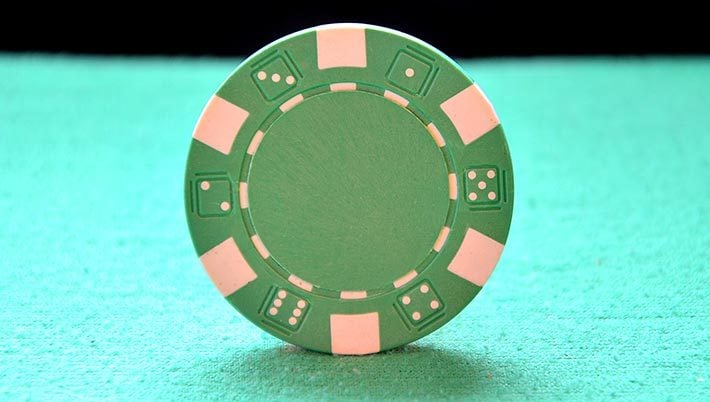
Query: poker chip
(349,189)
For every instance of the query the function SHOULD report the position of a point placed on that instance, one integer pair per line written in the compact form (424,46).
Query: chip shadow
(412,372)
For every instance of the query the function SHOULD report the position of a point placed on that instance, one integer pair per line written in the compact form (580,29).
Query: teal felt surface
(601,293)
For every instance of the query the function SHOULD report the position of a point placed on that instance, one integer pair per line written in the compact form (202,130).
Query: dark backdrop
(466,29)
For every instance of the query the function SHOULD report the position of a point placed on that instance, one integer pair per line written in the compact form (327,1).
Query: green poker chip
(349,189)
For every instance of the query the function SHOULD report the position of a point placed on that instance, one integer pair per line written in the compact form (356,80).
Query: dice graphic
(411,72)
(483,186)
(286,309)
(213,196)
(275,76)
(421,304)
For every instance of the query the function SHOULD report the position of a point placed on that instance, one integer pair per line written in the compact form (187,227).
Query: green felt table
(602,291)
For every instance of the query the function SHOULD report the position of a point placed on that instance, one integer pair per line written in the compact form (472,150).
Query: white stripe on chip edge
(227,267)
(453,186)
(405,279)
(341,46)
(355,334)
(441,239)
(343,86)
(476,258)
(436,135)
(471,113)
(286,106)
(243,195)
(396,98)
(255,142)
(305,285)
(260,247)
(219,124)
(353,294)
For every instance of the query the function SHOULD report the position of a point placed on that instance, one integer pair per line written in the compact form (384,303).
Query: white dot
(406,300)
(297,312)
(292,320)
(277,302)
(434,304)
(424,288)
(472,196)
(491,174)
(409,72)
(282,294)
(416,316)
(205,185)
(301,304)
(224,206)
(492,195)
(261,75)
(472,175)
(275,77)
(290,80)
(482,185)
(273,311)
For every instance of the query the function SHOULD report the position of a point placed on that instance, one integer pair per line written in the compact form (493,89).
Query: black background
(466,29)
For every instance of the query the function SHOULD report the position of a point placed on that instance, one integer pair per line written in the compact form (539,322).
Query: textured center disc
(348,191)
